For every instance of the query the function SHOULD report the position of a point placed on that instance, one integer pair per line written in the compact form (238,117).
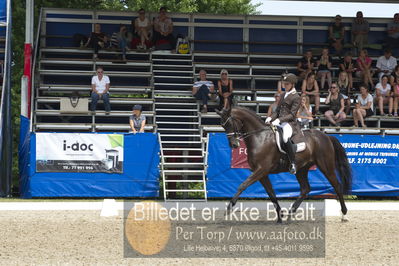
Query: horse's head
(232,126)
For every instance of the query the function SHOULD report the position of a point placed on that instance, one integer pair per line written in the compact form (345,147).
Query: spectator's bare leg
(330,117)
(395,106)
(362,114)
(381,105)
(341,117)
(317,103)
(329,79)
(350,80)
(390,105)
(356,117)
(322,80)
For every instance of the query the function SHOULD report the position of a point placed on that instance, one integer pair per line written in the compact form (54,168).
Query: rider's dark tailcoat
(286,111)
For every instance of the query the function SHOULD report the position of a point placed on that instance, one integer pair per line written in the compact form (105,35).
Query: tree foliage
(243,7)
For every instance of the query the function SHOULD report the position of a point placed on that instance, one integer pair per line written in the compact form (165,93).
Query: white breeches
(287,131)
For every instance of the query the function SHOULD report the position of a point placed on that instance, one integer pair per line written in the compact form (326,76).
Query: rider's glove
(268,120)
(276,122)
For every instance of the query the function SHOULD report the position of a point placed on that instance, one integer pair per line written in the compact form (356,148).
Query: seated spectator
(393,33)
(386,64)
(395,88)
(137,120)
(348,65)
(100,85)
(310,88)
(360,31)
(202,89)
(225,89)
(142,27)
(363,69)
(163,28)
(324,64)
(335,113)
(336,32)
(384,95)
(344,89)
(364,106)
(280,84)
(304,115)
(305,66)
(121,40)
(272,108)
(97,40)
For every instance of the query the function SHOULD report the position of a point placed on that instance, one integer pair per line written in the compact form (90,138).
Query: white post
(29,22)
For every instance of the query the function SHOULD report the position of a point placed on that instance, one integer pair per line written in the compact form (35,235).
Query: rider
(285,115)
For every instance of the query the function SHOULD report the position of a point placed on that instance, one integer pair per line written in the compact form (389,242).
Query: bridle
(237,134)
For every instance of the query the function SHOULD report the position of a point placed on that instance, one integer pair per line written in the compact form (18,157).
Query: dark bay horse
(264,157)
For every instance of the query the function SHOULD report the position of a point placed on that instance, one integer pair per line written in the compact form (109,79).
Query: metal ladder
(182,149)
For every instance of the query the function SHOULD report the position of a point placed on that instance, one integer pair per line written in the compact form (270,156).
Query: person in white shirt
(364,106)
(202,89)
(386,64)
(142,27)
(384,95)
(100,90)
(163,28)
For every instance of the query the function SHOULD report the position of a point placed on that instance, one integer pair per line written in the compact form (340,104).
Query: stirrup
(293,169)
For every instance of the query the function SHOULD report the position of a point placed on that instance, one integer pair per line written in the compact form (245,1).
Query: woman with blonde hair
(304,115)
(343,84)
(225,89)
(273,106)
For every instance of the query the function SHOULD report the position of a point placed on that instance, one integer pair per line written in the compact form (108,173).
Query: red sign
(239,156)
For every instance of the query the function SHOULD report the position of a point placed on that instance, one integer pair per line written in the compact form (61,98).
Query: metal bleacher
(254,49)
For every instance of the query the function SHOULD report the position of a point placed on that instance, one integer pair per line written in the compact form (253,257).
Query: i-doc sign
(74,152)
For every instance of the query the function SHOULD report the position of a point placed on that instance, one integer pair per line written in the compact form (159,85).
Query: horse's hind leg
(255,176)
(302,177)
(265,181)
(327,169)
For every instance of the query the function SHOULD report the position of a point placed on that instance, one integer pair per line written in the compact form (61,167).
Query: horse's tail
(342,165)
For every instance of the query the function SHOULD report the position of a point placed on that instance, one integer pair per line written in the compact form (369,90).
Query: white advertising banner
(83,153)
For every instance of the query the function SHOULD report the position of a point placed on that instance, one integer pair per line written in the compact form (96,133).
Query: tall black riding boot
(291,156)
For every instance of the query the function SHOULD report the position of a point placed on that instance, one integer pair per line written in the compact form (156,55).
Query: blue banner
(374,161)
(3,10)
(140,177)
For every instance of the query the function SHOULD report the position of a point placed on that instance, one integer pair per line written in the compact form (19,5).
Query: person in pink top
(363,70)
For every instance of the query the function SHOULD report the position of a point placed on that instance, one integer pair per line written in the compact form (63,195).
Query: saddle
(282,146)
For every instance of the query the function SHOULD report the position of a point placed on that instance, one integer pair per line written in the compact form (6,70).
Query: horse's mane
(250,112)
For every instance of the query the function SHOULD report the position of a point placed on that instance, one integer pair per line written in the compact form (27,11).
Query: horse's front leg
(302,177)
(265,181)
(255,176)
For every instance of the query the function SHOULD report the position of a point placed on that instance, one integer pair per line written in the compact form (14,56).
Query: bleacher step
(183,156)
(183,181)
(178,116)
(175,110)
(177,122)
(179,129)
(185,172)
(174,84)
(181,149)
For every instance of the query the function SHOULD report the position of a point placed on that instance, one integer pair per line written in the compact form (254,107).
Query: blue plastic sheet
(140,177)
(3,10)
(373,175)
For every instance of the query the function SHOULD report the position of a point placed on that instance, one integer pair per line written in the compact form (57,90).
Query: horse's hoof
(228,210)
(344,219)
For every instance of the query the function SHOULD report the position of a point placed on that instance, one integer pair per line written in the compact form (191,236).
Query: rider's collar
(292,91)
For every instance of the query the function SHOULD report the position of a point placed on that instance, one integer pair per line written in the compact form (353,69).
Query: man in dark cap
(285,117)
(137,120)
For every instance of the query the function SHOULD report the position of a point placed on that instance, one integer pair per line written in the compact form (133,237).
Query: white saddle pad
(301,146)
